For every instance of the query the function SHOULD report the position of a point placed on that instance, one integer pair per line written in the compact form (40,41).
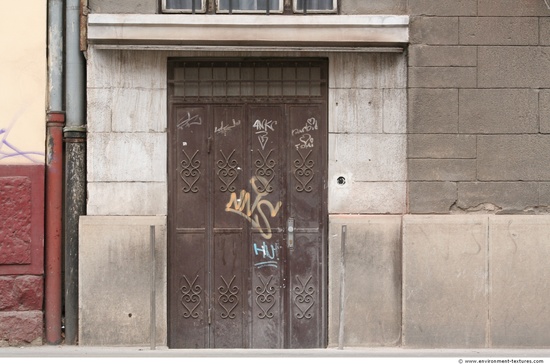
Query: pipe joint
(55,119)
(75,134)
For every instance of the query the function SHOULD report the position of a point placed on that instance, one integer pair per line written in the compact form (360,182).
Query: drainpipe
(55,119)
(75,161)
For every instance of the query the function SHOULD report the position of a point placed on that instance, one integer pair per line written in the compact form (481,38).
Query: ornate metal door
(247,204)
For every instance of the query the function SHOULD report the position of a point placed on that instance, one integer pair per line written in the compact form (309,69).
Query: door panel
(305,258)
(228,319)
(247,216)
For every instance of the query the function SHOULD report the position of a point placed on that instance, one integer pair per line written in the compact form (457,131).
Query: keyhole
(341,181)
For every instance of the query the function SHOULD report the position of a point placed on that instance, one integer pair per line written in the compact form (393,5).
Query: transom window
(247,79)
(248,6)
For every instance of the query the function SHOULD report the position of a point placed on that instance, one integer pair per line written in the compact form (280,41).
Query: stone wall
(478,114)
(475,281)
(21,254)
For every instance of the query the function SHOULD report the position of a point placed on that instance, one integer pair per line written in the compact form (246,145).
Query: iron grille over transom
(247,79)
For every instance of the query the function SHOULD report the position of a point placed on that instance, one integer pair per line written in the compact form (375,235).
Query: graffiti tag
(8,149)
(264,250)
(262,130)
(311,125)
(306,141)
(255,212)
(189,120)
(224,129)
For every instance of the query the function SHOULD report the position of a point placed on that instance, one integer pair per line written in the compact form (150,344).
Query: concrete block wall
(367,133)
(478,106)
(365,281)
(475,281)
(126,134)
(115,275)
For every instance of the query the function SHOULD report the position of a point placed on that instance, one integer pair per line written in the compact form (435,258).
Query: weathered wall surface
(475,281)
(364,281)
(21,254)
(127,164)
(478,114)
(367,133)
(22,139)
(474,90)
(116,273)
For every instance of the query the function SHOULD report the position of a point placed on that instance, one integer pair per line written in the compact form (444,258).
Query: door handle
(290,233)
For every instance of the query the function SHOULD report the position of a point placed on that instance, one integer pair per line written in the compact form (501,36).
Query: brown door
(247,204)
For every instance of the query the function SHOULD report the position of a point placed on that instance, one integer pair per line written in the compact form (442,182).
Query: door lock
(290,233)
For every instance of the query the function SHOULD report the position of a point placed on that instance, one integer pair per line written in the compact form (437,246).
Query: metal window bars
(206,80)
(256,6)
(231,6)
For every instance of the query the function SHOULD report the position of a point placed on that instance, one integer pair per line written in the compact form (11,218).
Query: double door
(247,224)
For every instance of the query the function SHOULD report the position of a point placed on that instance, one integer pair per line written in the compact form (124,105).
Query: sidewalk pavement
(52,351)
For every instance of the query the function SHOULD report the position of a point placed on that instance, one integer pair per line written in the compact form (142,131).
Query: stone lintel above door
(311,31)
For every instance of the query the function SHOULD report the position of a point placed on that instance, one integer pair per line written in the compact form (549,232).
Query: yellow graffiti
(255,214)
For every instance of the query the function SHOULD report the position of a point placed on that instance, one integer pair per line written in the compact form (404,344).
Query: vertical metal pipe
(153,309)
(342,288)
(54,227)
(55,120)
(55,55)
(75,198)
(75,161)
(75,77)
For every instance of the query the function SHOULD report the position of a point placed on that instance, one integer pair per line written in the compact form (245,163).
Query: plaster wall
(23,82)
(22,144)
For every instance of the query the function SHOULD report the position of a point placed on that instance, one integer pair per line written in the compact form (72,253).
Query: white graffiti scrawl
(8,149)
(262,130)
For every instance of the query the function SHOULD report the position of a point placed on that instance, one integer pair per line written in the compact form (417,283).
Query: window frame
(164,10)
(334,9)
(281,10)
(239,11)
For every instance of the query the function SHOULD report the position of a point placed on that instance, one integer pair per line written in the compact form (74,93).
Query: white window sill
(249,30)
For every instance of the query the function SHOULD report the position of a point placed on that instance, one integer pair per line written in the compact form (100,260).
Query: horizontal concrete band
(417,281)
(341,30)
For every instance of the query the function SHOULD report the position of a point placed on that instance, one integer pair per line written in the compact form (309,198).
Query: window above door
(248,6)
